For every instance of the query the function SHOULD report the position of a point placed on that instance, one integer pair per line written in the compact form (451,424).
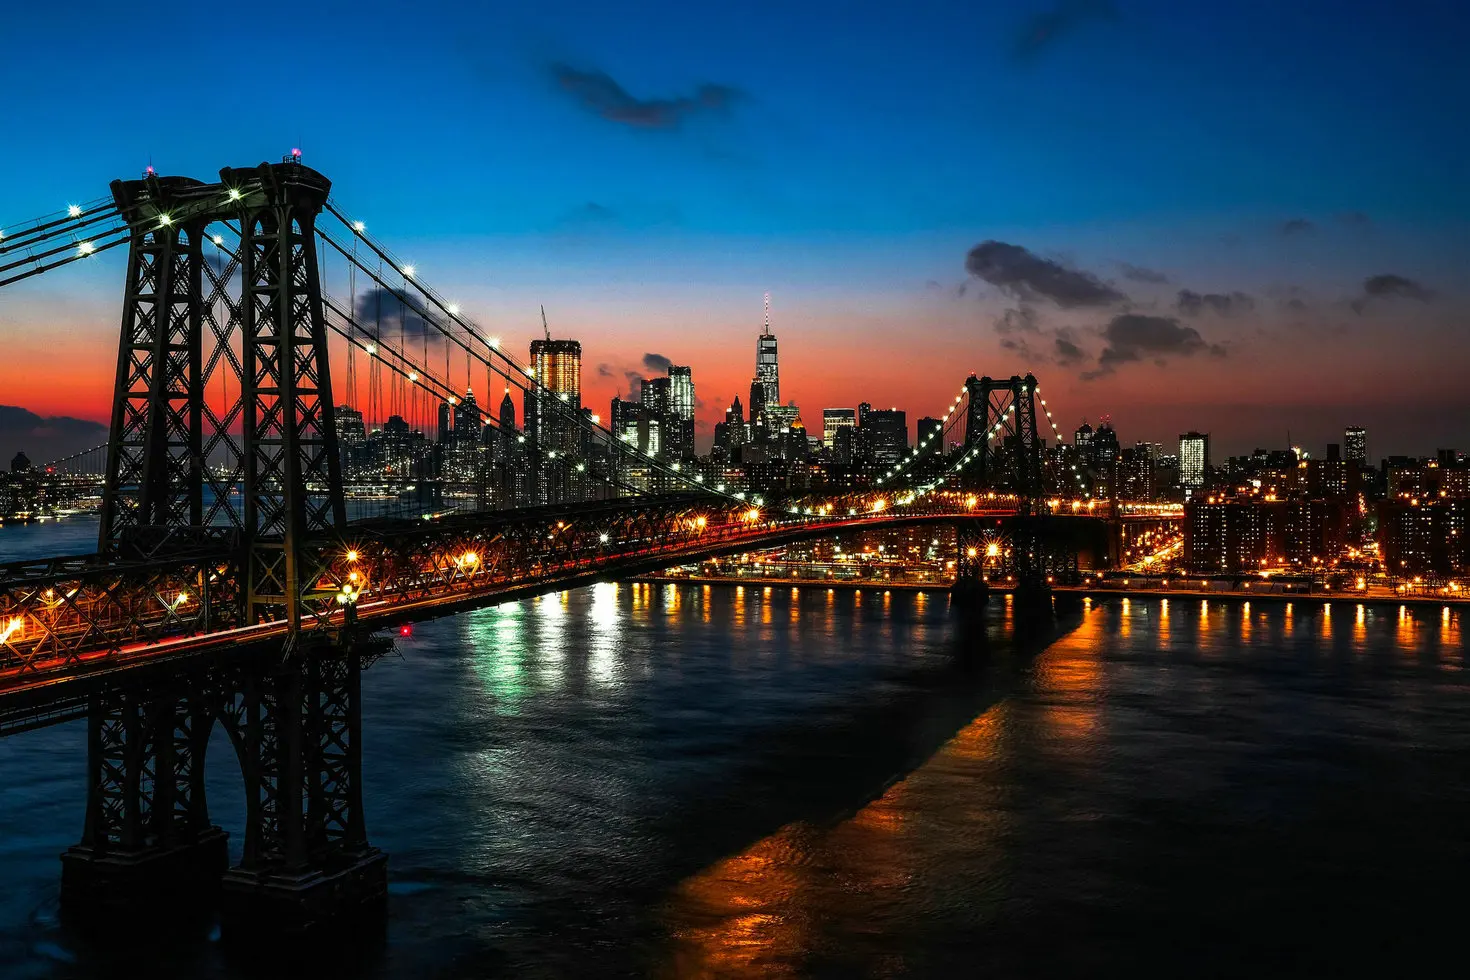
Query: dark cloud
(1390,286)
(1136,337)
(1137,273)
(1027,276)
(1297,226)
(384,311)
(657,362)
(45,438)
(599,93)
(1191,303)
(1066,351)
(1045,28)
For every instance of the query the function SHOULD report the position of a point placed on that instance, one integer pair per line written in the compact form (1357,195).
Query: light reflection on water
(697,781)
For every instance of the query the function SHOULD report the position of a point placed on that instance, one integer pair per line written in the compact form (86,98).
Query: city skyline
(1216,264)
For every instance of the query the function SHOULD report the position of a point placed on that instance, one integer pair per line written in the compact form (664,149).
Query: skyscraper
(1194,460)
(681,405)
(834,419)
(933,430)
(558,367)
(890,429)
(767,384)
(1355,441)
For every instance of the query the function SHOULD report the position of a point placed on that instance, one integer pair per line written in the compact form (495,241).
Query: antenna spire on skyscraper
(768,314)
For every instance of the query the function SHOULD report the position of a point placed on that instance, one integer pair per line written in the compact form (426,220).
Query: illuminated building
(1194,460)
(1355,441)
(681,406)
(834,419)
(890,434)
(552,409)
(933,430)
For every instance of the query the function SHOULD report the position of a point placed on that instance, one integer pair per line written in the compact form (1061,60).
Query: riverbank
(1094,591)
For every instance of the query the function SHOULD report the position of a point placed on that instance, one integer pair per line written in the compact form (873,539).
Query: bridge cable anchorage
(514,373)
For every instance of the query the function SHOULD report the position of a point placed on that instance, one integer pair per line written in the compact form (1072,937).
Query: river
(690,781)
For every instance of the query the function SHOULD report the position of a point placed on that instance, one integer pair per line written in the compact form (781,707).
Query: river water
(689,781)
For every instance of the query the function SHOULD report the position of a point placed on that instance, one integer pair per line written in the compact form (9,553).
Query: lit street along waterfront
(680,780)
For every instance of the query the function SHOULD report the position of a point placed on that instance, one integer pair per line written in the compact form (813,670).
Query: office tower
(467,420)
(933,430)
(1355,444)
(1194,460)
(681,400)
(1082,439)
(446,414)
(557,366)
(890,434)
(766,371)
(834,419)
(735,433)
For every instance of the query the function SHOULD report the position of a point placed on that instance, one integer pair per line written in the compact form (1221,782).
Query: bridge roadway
(70,627)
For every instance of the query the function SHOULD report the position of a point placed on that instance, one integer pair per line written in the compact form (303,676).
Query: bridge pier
(307,864)
(148,850)
(147,844)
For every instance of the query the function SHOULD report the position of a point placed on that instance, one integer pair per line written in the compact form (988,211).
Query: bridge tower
(258,483)
(1001,426)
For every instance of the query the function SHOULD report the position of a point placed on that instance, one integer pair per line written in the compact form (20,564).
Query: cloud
(599,93)
(1027,276)
(382,310)
(1191,303)
(657,362)
(1066,351)
(1017,321)
(1390,286)
(1045,28)
(1297,226)
(1137,273)
(44,439)
(1135,336)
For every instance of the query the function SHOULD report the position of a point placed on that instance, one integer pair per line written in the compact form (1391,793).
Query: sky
(1251,219)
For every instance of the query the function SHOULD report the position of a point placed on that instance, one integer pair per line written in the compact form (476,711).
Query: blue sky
(648,169)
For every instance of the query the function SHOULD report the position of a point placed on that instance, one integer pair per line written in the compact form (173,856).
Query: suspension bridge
(233,584)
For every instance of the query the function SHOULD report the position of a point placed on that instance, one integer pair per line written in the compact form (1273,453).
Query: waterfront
(686,780)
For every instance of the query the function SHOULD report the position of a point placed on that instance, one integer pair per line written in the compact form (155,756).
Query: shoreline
(1086,591)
